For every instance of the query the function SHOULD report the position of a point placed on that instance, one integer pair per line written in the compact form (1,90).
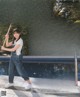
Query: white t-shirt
(19,42)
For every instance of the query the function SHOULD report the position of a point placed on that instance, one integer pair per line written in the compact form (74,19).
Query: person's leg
(11,74)
(29,81)
(21,71)
(11,71)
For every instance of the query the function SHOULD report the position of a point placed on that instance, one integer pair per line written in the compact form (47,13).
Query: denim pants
(16,61)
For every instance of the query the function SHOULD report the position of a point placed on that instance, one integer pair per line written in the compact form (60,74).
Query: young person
(16,59)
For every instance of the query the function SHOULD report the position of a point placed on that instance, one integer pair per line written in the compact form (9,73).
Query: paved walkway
(43,88)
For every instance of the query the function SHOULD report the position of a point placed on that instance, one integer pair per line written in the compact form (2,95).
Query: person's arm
(8,44)
(11,49)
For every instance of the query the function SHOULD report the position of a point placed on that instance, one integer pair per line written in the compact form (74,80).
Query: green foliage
(14,11)
(3,30)
(23,28)
(72,9)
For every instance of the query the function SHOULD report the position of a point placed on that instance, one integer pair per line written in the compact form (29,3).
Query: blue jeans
(16,61)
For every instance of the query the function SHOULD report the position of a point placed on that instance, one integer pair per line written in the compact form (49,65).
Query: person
(16,59)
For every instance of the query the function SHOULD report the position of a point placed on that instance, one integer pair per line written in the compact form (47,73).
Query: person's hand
(7,36)
(2,47)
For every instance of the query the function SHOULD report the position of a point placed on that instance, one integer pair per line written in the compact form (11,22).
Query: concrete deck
(43,88)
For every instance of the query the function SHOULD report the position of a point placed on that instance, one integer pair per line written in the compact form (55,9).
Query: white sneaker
(9,85)
(27,86)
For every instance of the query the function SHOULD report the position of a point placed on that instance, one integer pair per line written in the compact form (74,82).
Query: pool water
(43,70)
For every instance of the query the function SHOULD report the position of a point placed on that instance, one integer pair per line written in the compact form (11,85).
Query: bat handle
(7,33)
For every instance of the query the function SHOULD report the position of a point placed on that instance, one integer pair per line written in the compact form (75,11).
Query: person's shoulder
(21,39)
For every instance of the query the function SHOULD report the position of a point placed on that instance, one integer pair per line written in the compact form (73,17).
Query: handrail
(44,59)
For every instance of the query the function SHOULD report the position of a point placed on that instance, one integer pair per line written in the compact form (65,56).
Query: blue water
(43,70)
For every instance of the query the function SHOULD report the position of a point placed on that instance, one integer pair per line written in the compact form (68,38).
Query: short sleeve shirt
(19,42)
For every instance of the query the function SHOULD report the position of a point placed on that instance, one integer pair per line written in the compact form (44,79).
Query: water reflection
(79,72)
(2,71)
(44,70)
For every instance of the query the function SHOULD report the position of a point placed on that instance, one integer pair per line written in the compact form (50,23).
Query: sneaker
(27,86)
(9,85)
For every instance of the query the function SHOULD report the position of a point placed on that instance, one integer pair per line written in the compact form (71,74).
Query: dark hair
(18,31)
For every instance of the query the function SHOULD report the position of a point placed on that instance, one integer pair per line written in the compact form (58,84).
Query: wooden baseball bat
(7,33)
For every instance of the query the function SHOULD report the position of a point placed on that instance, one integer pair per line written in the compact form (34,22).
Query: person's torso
(19,42)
